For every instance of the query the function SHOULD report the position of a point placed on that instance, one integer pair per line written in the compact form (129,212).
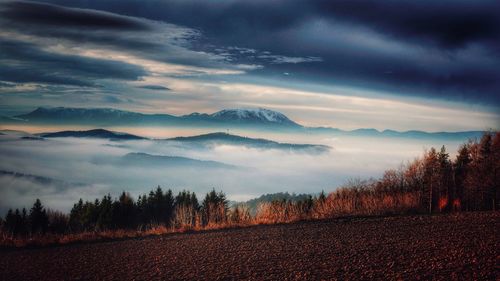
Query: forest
(432,183)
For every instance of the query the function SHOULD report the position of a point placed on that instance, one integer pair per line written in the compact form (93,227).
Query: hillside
(224,138)
(96,133)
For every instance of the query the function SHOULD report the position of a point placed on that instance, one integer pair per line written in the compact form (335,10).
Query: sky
(391,64)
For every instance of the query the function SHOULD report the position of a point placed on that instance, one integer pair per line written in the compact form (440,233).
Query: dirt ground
(441,247)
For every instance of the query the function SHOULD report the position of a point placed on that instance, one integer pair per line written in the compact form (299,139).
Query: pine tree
(124,211)
(105,216)
(9,221)
(38,218)
(76,216)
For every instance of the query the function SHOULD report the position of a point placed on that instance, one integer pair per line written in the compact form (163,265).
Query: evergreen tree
(105,213)
(124,211)
(76,216)
(9,223)
(38,218)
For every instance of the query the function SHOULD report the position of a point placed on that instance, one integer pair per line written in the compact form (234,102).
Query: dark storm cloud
(147,39)
(449,23)
(77,25)
(19,58)
(446,49)
(48,24)
(38,13)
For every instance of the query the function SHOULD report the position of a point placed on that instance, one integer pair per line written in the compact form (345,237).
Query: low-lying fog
(59,171)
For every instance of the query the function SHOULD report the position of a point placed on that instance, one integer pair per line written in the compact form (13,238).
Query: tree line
(156,208)
(429,184)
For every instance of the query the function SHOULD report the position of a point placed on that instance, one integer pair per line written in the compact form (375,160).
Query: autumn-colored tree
(186,210)
(214,208)
(431,179)
(460,169)
(445,180)
(495,155)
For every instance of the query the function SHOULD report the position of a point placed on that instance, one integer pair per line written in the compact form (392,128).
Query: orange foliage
(457,206)
(443,202)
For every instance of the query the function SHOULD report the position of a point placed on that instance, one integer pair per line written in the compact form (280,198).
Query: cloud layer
(61,170)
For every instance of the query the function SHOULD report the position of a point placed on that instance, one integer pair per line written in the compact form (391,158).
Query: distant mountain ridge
(238,118)
(225,138)
(110,117)
(145,159)
(205,140)
(41,179)
(97,116)
(96,133)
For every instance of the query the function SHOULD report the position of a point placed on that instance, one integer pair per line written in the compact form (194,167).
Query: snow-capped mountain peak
(258,115)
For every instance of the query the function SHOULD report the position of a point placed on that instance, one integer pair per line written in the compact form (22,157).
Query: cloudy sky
(347,64)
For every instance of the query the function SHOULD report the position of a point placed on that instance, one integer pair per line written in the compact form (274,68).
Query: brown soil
(442,247)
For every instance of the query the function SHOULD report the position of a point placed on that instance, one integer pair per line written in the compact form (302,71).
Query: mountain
(412,134)
(259,115)
(109,117)
(96,133)
(38,179)
(442,135)
(198,141)
(17,134)
(144,159)
(224,138)
(94,116)
(45,181)
(262,119)
(34,138)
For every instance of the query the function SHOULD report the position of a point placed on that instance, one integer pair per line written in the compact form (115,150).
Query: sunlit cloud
(334,109)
